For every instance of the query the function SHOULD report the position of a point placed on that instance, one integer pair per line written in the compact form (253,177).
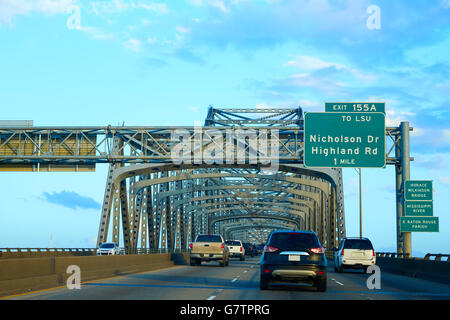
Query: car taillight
(191,245)
(342,252)
(222,246)
(241,249)
(270,249)
(318,250)
(373,253)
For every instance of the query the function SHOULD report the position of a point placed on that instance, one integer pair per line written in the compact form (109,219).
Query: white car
(236,249)
(354,253)
(108,248)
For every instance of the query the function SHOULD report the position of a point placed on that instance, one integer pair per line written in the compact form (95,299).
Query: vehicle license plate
(294,257)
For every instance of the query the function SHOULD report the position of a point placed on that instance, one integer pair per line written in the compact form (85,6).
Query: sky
(147,63)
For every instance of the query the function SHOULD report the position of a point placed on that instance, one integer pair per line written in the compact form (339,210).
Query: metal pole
(360,205)
(402,172)
(404,127)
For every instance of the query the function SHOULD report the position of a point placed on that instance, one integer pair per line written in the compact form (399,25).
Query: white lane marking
(210,298)
(340,283)
(245,271)
(235,279)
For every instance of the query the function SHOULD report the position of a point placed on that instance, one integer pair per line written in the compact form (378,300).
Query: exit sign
(355,107)
(337,140)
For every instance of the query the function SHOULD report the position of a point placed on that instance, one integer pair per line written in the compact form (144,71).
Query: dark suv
(294,256)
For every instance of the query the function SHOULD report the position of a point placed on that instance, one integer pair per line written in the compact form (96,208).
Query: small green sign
(337,140)
(419,224)
(355,107)
(419,208)
(419,190)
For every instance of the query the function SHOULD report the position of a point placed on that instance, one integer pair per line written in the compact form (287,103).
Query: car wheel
(340,269)
(222,263)
(264,284)
(321,285)
(192,262)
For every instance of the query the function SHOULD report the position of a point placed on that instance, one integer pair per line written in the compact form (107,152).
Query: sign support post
(402,173)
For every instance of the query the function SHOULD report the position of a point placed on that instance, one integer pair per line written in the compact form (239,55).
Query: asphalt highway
(240,281)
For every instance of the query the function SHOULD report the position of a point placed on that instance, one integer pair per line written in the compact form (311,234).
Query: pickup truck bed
(208,248)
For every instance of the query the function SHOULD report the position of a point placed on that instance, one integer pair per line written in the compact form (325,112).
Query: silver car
(108,248)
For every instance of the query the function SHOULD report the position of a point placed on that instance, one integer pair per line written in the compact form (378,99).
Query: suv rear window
(208,238)
(362,244)
(107,245)
(294,240)
(233,243)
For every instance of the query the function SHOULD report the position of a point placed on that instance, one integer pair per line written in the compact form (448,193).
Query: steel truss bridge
(241,175)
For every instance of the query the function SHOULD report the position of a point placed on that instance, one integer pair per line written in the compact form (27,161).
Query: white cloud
(437,161)
(312,63)
(118,6)
(446,134)
(219,4)
(182,29)
(445,4)
(132,44)
(96,33)
(159,8)
(444,180)
(11,8)
(393,118)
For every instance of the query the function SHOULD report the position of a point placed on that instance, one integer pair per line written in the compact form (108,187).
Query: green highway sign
(419,208)
(419,190)
(355,107)
(337,140)
(419,224)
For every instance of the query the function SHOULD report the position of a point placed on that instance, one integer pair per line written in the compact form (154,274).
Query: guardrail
(51,252)
(428,256)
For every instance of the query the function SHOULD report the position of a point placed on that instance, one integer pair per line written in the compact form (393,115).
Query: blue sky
(163,63)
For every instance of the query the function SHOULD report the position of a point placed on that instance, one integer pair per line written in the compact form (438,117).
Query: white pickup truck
(236,249)
(209,247)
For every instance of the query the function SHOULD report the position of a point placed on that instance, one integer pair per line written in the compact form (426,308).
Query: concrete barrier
(29,274)
(432,270)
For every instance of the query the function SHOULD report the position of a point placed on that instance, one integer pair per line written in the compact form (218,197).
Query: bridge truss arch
(164,205)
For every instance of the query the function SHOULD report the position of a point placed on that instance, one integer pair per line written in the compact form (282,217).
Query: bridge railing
(47,252)
(395,255)
(428,256)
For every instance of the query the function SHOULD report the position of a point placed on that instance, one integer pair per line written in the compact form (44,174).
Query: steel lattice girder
(161,194)
(84,146)
(208,176)
(229,229)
